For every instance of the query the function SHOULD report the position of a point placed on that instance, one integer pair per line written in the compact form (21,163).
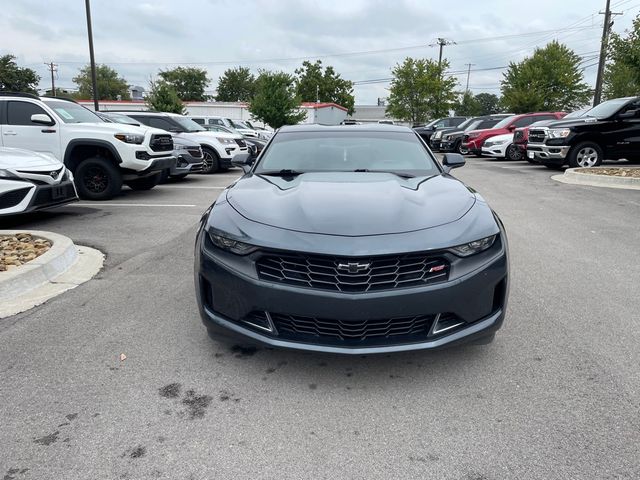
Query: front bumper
(548,154)
(185,164)
(497,151)
(41,197)
(228,297)
(473,146)
(436,144)
(447,145)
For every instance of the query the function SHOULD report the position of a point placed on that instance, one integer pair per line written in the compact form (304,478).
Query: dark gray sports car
(351,239)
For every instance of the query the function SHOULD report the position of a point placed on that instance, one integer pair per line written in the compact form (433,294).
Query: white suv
(102,156)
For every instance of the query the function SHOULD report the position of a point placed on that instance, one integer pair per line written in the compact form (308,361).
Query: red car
(473,140)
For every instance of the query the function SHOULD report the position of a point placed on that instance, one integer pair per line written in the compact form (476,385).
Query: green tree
(110,85)
(488,102)
(188,82)
(162,97)
(236,85)
(468,106)
(275,101)
(419,90)
(549,80)
(313,83)
(622,74)
(16,79)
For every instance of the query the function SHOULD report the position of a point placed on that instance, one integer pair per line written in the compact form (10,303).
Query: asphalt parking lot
(556,396)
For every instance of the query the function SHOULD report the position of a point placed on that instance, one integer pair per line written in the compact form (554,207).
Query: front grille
(52,173)
(14,197)
(161,143)
(537,136)
(45,195)
(353,275)
(241,143)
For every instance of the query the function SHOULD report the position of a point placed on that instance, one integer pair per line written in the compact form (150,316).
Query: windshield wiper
(399,174)
(285,172)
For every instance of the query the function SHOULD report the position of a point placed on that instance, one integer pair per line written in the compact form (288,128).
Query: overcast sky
(362,39)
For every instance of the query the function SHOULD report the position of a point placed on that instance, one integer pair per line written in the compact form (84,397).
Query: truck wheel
(210,161)
(145,183)
(585,155)
(513,153)
(97,178)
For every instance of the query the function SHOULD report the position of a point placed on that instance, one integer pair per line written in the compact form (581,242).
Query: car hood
(25,159)
(350,203)
(109,127)
(572,122)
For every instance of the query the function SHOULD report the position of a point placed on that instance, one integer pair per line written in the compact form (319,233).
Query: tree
(236,85)
(315,84)
(549,80)
(110,85)
(16,79)
(488,103)
(188,82)
(622,74)
(275,102)
(162,97)
(419,90)
(468,106)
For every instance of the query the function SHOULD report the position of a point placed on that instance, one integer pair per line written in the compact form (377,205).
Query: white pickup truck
(102,156)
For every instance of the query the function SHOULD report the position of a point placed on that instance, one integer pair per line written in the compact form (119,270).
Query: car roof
(372,127)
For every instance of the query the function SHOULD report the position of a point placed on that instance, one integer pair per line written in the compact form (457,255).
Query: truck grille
(241,143)
(161,143)
(537,135)
(353,275)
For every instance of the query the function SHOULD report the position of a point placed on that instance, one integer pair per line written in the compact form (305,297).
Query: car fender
(90,142)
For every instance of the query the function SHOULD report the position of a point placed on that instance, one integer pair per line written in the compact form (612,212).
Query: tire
(513,153)
(460,149)
(145,183)
(210,160)
(585,155)
(97,178)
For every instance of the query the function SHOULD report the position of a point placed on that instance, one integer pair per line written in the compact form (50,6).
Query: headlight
(558,132)
(230,245)
(130,138)
(8,174)
(226,141)
(438,134)
(445,137)
(474,247)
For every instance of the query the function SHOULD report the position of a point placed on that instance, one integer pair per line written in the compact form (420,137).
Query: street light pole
(94,78)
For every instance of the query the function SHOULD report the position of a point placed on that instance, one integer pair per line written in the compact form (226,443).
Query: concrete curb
(577,176)
(63,267)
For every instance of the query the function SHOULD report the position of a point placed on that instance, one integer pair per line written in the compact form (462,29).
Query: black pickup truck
(608,131)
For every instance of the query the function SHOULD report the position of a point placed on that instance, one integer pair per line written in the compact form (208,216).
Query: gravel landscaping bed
(629,172)
(16,250)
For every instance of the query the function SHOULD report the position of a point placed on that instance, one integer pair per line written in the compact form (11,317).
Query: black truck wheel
(97,178)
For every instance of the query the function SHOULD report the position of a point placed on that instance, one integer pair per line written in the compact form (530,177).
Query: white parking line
(100,204)
(162,187)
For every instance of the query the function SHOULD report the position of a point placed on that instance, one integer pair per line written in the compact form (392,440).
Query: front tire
(513,153)
(585,155)
(97,178)
(146,183)
(460,149)
(210,160)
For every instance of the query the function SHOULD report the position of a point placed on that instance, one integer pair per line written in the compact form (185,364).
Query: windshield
(71,112)
(608,108)
(504,122)
(576,114)
(471,126)
(466,123)
(188,124)
(219,128)
(332,151)
(237,124)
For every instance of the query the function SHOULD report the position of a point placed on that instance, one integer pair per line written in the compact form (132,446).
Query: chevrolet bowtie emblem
(353,267)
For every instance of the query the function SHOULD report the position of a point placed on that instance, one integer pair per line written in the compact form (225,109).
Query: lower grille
(353,275)
(53,194)
(13,198)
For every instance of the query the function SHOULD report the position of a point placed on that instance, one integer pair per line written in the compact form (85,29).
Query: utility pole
(441,42)
(606,30)
(468,74)
(94,78)
(53,67)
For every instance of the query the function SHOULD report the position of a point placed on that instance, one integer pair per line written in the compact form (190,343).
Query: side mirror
(451,161)
(243,160)
(42,119)
(511,128)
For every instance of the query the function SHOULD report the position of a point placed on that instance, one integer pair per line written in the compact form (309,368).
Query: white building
(322,113)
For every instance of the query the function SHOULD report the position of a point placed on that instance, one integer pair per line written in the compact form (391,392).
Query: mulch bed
(612,171)
(16,250)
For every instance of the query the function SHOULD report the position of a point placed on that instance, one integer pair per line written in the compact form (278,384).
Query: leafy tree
(110,85)
(236,85)
(313,83)
(622,74)
(488,102)
(549,80)
(468,106)
(188,82)
(275,101)
(162,97)
(16,79)
(419,90)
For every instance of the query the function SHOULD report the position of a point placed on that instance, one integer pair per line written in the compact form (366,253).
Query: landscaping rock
(18,249)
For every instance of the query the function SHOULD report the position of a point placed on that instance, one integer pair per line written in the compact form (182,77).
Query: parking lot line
(193,187)
(129,205)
